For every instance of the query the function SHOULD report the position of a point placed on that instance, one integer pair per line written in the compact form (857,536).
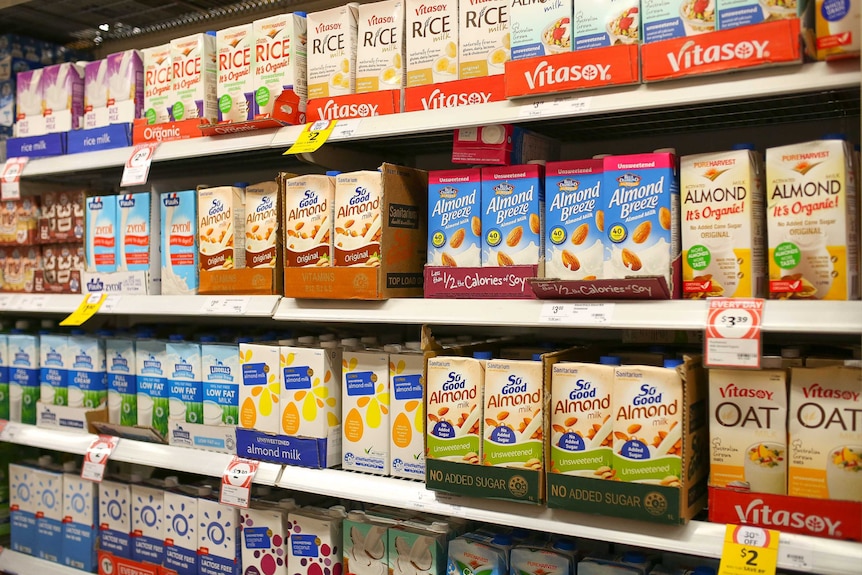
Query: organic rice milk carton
(53,369)
(513,414)
(332,51)
(540,29)
(179,220)
(280,60)
(260,389)
(811,221)
(218,538)
(80,526)
(194,71)
(407,407)
(62,97)
(454,387)
(101,239)
(309,213)
(365,404)
(310,400)
(513,201)
(221,225)
(125,82)
(24,390)
(88,381)
(722,221)
(454,223)
(235,88)
(825,436)
(158,84)
(115,518)
(641,215)
(600,23)
(432,41)
(666,19)
(221,381)
(261,225)
(358,221)
(748,429)
(153,395)
(121,367)
(138,224)
(837,28)
(185,381)
(574,224)
(483,38)
(380,50)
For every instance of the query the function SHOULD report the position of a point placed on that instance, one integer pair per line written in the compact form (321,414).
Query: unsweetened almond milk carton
(454,225)
(513,200)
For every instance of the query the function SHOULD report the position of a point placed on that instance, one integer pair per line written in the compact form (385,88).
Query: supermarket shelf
(696,538)
(20,564)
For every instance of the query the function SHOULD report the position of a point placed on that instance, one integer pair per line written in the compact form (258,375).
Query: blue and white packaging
(23,377)
(88,382)
(138,226)
(153,392)
(53,369)
(454,225)
(600,23)
(666,19)
(184,381)
(513,202)
(4,377)
(179,242)
(221,375)
(49,514)
(101,225)
(148,524)
(22,506)
(736,13)
(80,531)
(115,518)
(218,538)
(121,367)
(181,528)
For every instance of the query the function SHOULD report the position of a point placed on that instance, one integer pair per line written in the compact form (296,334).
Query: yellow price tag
(86,310)
(313,136)
(749,551)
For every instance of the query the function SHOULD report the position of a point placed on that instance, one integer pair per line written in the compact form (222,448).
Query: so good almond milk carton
(261,225)
(358,222)
(513,414)
(454,389)
(221,219)
(309,210)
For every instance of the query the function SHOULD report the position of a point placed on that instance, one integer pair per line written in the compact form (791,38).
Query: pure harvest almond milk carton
(221,229)
(280,60)
(332,52)
(358,218)
(235,80)
(432,41)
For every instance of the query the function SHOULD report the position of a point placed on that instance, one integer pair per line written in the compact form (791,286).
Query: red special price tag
(10,178)
(97,457)
(733,329)
(236,481)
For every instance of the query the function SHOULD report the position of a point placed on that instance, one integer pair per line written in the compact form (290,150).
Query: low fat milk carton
(53,369)
(125,86)
(153,397)
(182,528)
(311,393)
(49,514)
(313,533)
(513,414)
(358,219)
(148,524)
(264,540)
(96,94)
(666,19)
(121,367)
(260,389)
(221,379)
(811,221)
(407,414)
(221,221)
(185,381)
(29,120)
(194,72)
(332,51)
(63,97)
(24,390)
(540,29)
(138,224)
(179,220)
(80,526)
(432,42)
(158,84)
(454,218)
(722,225)
(235,89)
(825,439)
(513,202)
(88,380)
(641,215)
(309,214)
(4,377)
(574,226)
(22,509)
(380,50)
(115,518)
(218,538)
(261,225)
(280,60)
(454,388)
(837,27)
(748,429)
(365,405)
(600,23)
(484,38)
(101,224)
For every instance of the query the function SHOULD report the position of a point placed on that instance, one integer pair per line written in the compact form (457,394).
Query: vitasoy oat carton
(332,51)
(512,203)
(432,41)
(454,224)
(540,28)
(309,211)
(811,221)
(483,38)
(380,51)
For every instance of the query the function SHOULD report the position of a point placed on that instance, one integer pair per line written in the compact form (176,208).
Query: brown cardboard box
(62,218)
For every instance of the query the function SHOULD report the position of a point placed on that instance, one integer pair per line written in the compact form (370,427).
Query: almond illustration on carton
(534,223)
(631,260)
(457,238)
(642,232)
(579,236)
(600,220)
(571,261)
(504,260)
(476,226)
(664,218)
(448,260)
(514,237)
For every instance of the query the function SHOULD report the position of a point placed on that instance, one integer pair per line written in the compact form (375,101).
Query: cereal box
(380,53)
(221,225)
(158,84)
(358,221)
(261,225)
(235,80)
(513,414)
(280,60)
(432,42)
(540,29)
(454,387)
(513,202)
(332,51)
(484,38)
(309,211)
(666,19)
(194,72)
(454,223)
(600,23)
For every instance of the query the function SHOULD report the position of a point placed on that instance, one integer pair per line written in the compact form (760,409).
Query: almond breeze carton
(380,50)
(454,223)
(600,23)
(513,200)
(432,42)
(332,51)
(483,37)
(280,60)
(235,80)
(195,74)
(666,19)
(540,29)
(158,84)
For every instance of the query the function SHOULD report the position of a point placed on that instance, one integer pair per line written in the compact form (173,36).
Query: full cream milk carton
(432,42)
(574,220)
(825,438)
(666,19)
(218,538)
(315,539)
(811,221)
(365,404)
(309,213)
(194,72)
(158,84)
(53,369)
(722,225)
(540,29)
(748,429)
(454,387)
(454,223)
(179,221)
(310,400)
(513,201)
(260,389)
(332,51)
(513,414)
(185,381)
(153,397)
(22,509)
(221,225)
(121,367)
(600,23)
(115,518)
(235,89)
(358,219)
(125,82)
(96,94)
(221,381)
(261,225)
(148,524)
(183,524)
(101,239)
(582,419)
(407,411)
(837,28)
(641,215)
(80,525)
(380,49)
(280,60)
(138,224)
(88,380)
(62,97)
(483,38)
(24,390)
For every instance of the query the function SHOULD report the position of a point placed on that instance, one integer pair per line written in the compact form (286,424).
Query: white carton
(540,30)
(182,529)
(24,389)
(29,120)
(600,23)
(218,538)
(80,526)
(63,97)
(221,376)
(54,364)
(49,514)
(153,396)
(407,416)
(138,224)
(309,204)
(265,540)
(96,94)
(332,51)
(221,228)
(432,42)
(380,53)
(101,239)
(148,524)
(261,225)
(158,84)
(194,73)
(311,393)
(179,238)
(125,86)
(365,405)
(121,367)
(666,19)
(185,383)
(483,38)
(115,518)
(314,531)
(22,505)
(235,89)
(280,60)
(88,382)
(261,387)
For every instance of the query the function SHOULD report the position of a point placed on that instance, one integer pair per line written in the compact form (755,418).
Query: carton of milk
(221,228)
(264,540)
(4,377)
(261,224)
(432,42)
(484,38)
(88,382)
(513,201)
(235,89)
(49,513)
(182,528)
(221,377)
(29,120)
(125,86)
(22,506)
(380,53)
(158,84)
(666,19)
(101,225)
(454,224)
(316,538)
(365,405)
(540,30)
(218,542)
(195,74)
(138,224)
(121,369)
(280,60)
(80,527)
(407,416)
(311,393)
(148,524)
(115,518)
(153,393)
(309,202)
(53,369)
(332,51)
(24,388)
(261,387)
(179,238)
(96,94)
(600,23)
(63,97)
(184,381)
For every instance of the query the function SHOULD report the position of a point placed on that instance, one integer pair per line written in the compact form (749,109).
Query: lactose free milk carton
(811,221)
(332,51)
(513,201)
(179,238)
(62,97)
(218,538)
(310,400)
(574,220)
(24,389)
(432,42)
(309,213)
(484,38)
(194,72)
(358,221)
(158,84)
(221,381)
(600,23)
(513,414)
(80,526)
(101,223)
(115,518)
(53,369)
(49,513)
(121,367)
(540,29)
(748,429)
(138,224)
(825,438)
(722,224)
(148,524)
(221,225)
(182,528)
(125,86)
(235,89)
(407,402)
(185,381)
(260,389)
(666,19)
(88,382)
(641,215)
(22,508)
(365,404)
(380,50)
(454,387)
(261,225)
(454,224)
(280,60)
(153,397)
(96,94)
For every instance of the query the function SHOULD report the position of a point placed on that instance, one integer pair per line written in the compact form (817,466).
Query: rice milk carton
(365,404)
(22,508)
(24,390)
(540,29)
(666,19)
(80,526)
(261,225)
(29,120)
(513,414)
(235,89)
(280,60)
(115,518)
(182,528)
(125,86)
(194,72)
(748,429)
(4,377)
(53,369)
(96,94)
(101,245)
(121,367)
(837,28)
(332,51)
(825,438)
(49,513)
(600,23)
(153,397)
(407,413)
(811,221)
(722,222)
(63,97)
(88,381)
(310,401)
(148,524)
(221,225)
(432,42)
(454,223)
(309,214)
(179,220)
(314,532)
(218,538)
(158,84)
(265,539)
(513,201)
(641,215)
(483,38)
(454,388)
(358,219)
(574,220)
(185,381)
(138,224)
(582,419)
(221,377)
(260,389)
(380,50)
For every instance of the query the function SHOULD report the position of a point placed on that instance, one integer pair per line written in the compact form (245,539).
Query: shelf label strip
(584,314)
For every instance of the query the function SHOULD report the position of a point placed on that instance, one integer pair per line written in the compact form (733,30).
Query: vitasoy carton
(309,211)
(221,228)
(483,38)
(540,29)
(380,50)
(195,73)
(454,223)
(235,88)
(432,41)
(666,19)
(600,23)
(513,200)
(280,60)
(158,84)
(332,51)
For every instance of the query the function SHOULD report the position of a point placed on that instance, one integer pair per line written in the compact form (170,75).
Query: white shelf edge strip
(157,305)
(21,564)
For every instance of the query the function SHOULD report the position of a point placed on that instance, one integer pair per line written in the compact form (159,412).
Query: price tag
(749,551)
(110,303)
(8,431)
(560,105)
(796,551)
(97,457)
(733,332)
(576,313)
(236,481)
(313,136)
(346,128)
(226,305)
(38,302)
(88,308)
(137,167)
(10,179)
(7,301)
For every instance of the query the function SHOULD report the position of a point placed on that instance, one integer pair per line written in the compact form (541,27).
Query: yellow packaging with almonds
(454,406)
(358,223)
(513,202)
(309,203)
(221,229)
(261,225)
(513,414)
